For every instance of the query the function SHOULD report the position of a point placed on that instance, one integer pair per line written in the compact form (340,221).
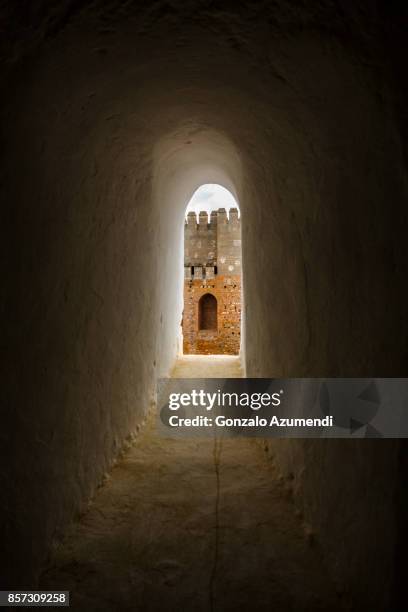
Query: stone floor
(201,366)
(192,525)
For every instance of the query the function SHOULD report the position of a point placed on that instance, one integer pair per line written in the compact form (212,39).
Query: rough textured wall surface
(112,115)
(347,490)
(225,339)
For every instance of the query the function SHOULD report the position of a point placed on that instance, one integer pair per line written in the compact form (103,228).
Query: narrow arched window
(207,312)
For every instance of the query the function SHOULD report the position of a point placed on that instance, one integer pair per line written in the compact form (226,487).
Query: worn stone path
(216,366)
(192,525)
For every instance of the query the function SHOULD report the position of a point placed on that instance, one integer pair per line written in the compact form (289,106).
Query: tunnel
(113,114)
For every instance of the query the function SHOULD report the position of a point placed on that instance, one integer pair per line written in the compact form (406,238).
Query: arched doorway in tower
(212,273)
(207,312)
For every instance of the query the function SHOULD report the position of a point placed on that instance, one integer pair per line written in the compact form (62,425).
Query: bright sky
(211,197)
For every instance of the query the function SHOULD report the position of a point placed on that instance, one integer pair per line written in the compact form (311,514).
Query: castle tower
(212,283)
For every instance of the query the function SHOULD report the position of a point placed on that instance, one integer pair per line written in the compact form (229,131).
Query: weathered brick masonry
(212,283)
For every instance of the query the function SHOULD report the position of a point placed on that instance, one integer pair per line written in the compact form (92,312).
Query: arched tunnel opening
(212,286)
(113,114)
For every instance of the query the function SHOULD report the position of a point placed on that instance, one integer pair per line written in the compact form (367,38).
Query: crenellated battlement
(213,243)
(216,217)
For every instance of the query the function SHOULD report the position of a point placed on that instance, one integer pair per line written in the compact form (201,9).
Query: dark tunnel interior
(113,114)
